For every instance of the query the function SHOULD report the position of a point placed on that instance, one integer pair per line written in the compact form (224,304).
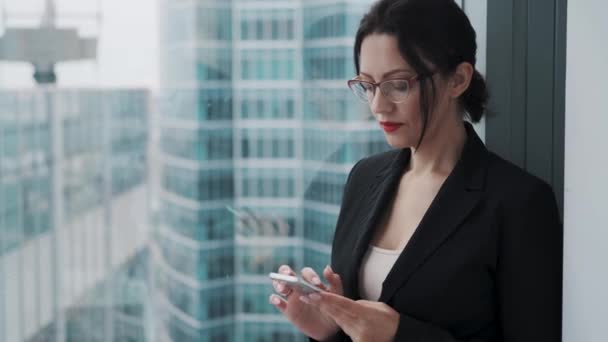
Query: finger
(285,289)
(312,277)
(332,300)
(334,280)
(284,269)
(281,288)
(278,302)
(369,304)
(341,309)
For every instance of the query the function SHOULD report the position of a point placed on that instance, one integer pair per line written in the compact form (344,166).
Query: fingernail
(316,280)
(314,297)
(329,267)
(275,300)
(305,299)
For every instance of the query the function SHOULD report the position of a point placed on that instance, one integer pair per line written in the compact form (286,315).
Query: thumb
(334,280)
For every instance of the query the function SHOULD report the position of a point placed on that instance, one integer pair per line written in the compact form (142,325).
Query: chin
(400,142)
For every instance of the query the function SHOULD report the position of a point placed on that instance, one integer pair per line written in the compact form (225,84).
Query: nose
(379,103)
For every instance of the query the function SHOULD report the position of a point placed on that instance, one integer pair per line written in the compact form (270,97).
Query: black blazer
(485,263)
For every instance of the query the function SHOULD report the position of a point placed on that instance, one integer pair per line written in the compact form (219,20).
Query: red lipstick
(388,126)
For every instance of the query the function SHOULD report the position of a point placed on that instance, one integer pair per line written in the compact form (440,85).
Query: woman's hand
(307,318)
(362,320)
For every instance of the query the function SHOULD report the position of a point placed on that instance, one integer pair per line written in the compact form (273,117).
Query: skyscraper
(73,225)
(257,117)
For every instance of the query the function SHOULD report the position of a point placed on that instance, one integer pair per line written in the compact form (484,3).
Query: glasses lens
(395,90)
(363,90)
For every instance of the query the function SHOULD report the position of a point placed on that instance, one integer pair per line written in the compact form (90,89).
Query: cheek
(409,111)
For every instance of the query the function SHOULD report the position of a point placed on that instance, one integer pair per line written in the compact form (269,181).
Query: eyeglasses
(395,90)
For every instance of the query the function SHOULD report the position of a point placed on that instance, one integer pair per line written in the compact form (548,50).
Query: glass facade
(194,248)
(73,173)
(258,118)
(25,197)
(336,130)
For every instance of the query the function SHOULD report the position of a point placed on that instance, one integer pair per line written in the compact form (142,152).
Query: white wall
(586,184)
(477,11)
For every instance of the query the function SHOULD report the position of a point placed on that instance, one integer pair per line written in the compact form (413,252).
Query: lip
(390,126)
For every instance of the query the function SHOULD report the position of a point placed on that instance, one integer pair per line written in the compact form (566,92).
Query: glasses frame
(410,81)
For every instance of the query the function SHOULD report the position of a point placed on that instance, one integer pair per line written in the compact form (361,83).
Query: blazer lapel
(381,191)
(456,198)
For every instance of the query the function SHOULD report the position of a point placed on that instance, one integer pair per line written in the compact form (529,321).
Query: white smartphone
(303,286)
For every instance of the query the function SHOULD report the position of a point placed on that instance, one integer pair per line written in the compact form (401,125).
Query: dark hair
(437,31)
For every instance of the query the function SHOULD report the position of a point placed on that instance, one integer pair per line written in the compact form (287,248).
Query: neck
(440,149)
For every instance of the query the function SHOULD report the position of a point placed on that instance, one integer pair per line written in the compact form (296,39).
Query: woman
(439,239)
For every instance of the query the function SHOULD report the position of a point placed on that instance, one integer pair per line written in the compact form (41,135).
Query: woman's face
(381,60)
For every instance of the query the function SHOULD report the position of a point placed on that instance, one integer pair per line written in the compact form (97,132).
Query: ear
(460,79)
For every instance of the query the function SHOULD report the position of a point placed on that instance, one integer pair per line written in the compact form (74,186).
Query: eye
(367,86)
(400,85)
(363,86)
(397,85)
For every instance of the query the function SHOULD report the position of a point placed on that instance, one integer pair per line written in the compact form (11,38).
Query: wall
(586,167)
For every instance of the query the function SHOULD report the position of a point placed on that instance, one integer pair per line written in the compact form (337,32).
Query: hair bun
(475,98)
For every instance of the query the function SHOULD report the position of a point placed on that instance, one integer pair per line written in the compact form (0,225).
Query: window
(117,183)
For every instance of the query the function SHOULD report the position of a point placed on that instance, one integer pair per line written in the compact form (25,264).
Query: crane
(46,45)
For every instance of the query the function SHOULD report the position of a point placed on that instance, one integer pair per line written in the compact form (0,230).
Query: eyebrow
(386,74)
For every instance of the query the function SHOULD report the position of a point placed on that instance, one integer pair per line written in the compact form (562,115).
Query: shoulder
(365,171)
(515,187)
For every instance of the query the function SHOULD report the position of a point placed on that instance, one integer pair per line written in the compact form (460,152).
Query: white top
(375,266)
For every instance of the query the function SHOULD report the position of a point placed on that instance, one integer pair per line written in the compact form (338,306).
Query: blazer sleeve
(528,275)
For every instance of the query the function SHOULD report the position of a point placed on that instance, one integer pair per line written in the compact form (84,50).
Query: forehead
(380,54)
